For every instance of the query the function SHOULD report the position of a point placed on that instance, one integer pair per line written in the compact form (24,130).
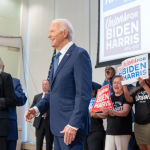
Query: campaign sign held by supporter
(120,70)
(91,103)
(135,67)
(103,99)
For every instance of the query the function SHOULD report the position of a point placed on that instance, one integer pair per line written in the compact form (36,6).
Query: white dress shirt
(36,109)
(63,52)
(43,94)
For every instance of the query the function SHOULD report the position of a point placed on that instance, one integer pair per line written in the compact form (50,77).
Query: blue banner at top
(111,4)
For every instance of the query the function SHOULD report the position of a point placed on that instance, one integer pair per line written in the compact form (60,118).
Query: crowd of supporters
(119,133)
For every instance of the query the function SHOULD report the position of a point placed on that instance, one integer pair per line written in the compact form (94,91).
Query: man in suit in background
(7,99)
(70,90)
(20,101)
(41,123)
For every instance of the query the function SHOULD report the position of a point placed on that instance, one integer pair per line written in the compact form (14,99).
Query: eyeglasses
(116,82)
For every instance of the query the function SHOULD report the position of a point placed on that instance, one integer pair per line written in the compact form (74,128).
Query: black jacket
(38,119)
(7,99)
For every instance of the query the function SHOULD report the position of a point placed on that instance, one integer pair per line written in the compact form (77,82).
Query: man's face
(56,35)
(45,86)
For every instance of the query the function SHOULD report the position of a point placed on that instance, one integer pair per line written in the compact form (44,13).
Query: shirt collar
(65,48)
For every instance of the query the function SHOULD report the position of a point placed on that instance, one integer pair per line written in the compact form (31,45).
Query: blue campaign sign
(91,103)
(134,67)
(111,4)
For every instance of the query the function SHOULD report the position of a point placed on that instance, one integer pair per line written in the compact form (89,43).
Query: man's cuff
(37,111)
(2,102)
(73,127)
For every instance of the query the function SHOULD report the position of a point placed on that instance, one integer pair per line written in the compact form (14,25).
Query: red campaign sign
(103,99)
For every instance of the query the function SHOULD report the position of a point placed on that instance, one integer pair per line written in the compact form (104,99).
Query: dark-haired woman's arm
(127,94)
(144,85)
(98,115)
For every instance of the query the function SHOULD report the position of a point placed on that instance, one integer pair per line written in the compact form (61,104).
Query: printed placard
(120,70)
(111,4)
(91,103)
(122,32)
(103,99)
(135,67)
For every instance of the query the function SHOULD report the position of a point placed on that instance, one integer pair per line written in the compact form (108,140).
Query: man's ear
(3,68)
(65,33)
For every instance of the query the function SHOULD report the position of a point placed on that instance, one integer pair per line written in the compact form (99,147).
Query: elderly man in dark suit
(7,99)
(70,90)
(20,101)
(41,123)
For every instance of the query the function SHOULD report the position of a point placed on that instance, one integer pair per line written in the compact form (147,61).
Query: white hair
(65,24)
(45,80)
(1,65)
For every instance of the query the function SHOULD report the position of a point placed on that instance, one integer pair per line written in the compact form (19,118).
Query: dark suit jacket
(20,101)
(7,99)
(70,93)
(38,119)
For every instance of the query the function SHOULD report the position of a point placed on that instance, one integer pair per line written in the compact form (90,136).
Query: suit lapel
(63,61)
(39,97)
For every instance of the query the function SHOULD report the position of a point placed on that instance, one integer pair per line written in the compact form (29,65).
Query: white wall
(10,25)
(10,12)
(10,17)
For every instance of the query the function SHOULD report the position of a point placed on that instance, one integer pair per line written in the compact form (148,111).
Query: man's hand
(69,134)
(30,113)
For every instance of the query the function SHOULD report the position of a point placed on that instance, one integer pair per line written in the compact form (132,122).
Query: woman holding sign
(141,98)
(95,139)
(119,121)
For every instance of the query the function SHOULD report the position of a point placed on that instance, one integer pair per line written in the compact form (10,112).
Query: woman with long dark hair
(95,139)
(141,98)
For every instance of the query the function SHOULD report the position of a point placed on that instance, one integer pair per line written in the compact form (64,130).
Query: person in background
(41,123)
(94,140)
(141,98)
(96,86)
(7,99)
(110,72)
(20,101)
(119,121)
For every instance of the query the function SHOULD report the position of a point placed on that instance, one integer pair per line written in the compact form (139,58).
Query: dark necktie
(53,57)
(56,63)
